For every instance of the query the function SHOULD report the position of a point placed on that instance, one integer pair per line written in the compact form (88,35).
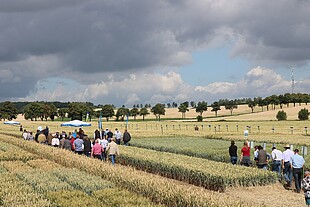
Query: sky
(129,52)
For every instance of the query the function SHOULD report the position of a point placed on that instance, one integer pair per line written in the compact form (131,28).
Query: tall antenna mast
(293,81)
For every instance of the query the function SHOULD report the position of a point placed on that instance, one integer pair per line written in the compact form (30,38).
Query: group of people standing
(104,143)
(287,163)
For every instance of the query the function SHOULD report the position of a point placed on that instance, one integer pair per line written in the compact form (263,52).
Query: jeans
(118,141)
(112,157)
(287,172)
(297,173)
(262,166)
(277,167)
(233,160)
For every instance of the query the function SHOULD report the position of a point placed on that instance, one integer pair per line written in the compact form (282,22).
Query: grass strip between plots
(201,172)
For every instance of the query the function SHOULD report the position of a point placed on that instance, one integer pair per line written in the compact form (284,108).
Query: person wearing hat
(297,163)
(286,166)
(305,185)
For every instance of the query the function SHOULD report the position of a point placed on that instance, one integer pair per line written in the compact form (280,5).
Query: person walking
(305,185)
(87,146)
(67,144)
(245,157)
(262,160)
(286,166)
(118,136)
(97,150)
(297,163)
(104,143)
(78,145)
(126,137)
(276,156)
(233,153)
(113,150)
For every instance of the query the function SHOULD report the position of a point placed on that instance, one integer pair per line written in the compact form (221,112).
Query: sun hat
(287,146)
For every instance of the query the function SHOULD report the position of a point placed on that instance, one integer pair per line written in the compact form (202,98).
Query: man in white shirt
(287,170)
(276,156)
(55,142)
(118,136)
(25,134)
(104,143)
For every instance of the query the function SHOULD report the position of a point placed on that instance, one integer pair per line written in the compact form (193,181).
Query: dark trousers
(297,173)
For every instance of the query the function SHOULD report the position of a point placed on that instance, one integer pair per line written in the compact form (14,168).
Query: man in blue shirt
(297,163)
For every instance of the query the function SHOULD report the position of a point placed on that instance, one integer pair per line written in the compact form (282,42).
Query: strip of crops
(68,187)
(14,192)
(11,152)
(158,189)
(201,172)
(211,149)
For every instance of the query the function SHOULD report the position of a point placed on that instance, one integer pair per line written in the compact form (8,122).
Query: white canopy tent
(75,123)
(12,122)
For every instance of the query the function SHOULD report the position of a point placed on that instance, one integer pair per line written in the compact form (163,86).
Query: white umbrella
(75,123)
(12,122)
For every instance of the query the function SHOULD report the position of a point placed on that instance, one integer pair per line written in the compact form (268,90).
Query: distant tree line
(82,110)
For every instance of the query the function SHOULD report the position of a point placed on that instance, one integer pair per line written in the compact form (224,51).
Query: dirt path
(272,195)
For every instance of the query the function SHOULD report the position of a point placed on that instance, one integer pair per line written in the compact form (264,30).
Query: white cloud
(166,88)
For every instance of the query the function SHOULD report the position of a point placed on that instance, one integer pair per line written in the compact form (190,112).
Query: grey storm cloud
(93,37)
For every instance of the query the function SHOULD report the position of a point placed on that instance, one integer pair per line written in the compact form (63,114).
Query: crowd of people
(103,146)
(286,164)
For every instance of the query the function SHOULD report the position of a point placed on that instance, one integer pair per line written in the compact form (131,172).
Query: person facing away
(67,144)
(286,166)
(87,146)
(305,185)
(276,156)
(118,136)
(78,145)
(112,150)
(297,163)
(233,153)
(262,160)
(126,137)
(109,135)
(97,150)
(97,134)
(245,154)
(104,143)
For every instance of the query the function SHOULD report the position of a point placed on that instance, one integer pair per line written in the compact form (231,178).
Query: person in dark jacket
(67,144)
(126,137)
(233,153)
(262,159)
(87,146)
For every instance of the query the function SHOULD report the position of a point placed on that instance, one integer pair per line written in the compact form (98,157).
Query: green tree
(121,112)
(107,111)
(215,107)
(33,111)
(62,113)
(193,104)
(143,112)
(183,109)
(231,105)
(78,110)
(303,114)
(251,104)
(158,110)
(8,110)
(134,112)
(48,110)
(201,107)
(281,115)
